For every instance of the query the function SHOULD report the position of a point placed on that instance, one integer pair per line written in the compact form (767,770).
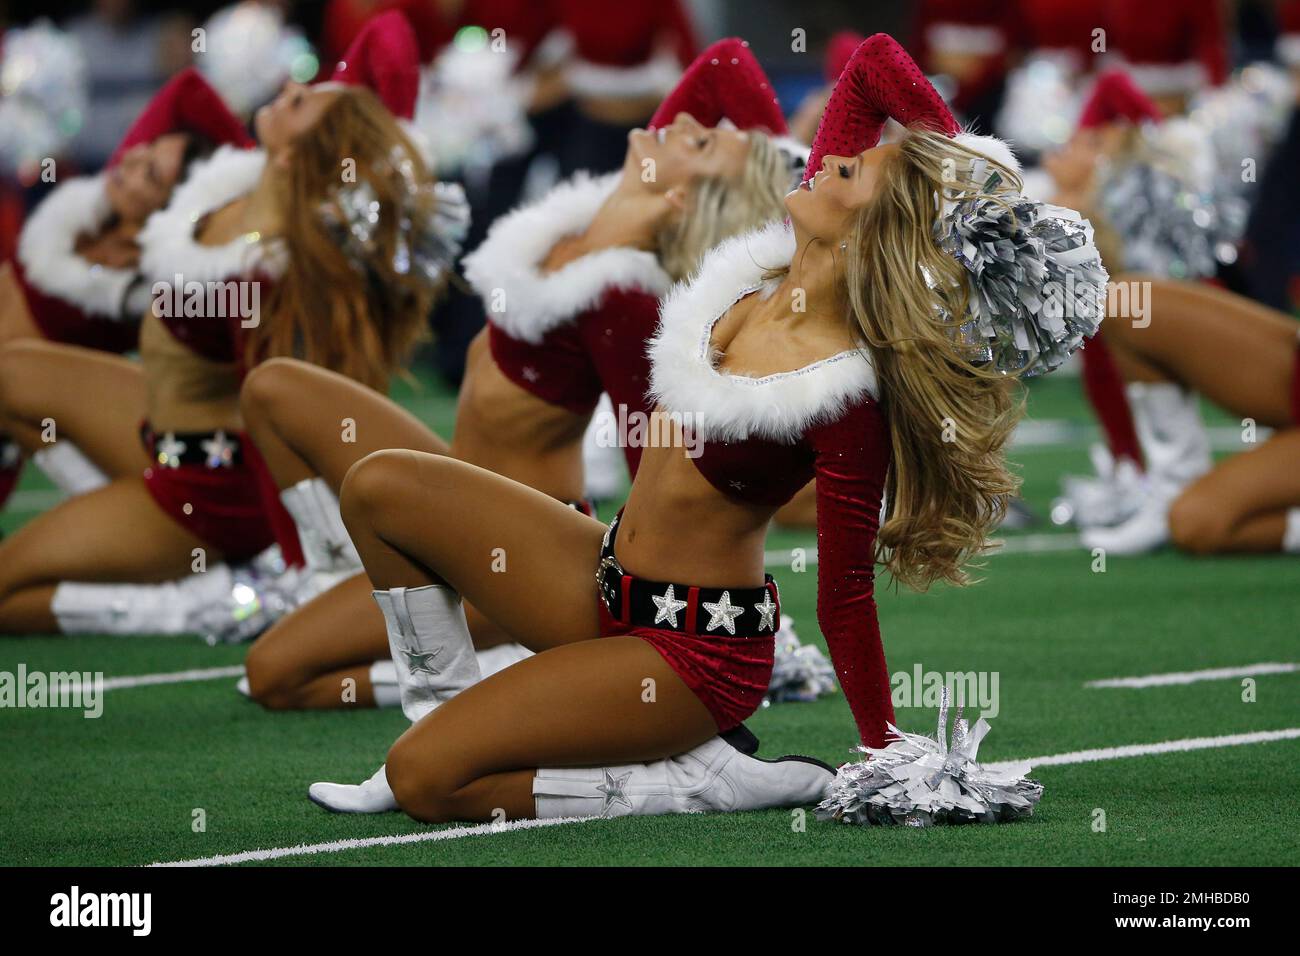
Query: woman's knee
(1197,525)
(273,680)
(270,386)
(423,785)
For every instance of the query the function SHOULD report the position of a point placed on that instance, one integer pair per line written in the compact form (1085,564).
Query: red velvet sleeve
(186,104)
(851,457)
(879,82)
(725,80)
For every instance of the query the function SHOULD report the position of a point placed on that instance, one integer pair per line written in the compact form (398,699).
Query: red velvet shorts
(225,509)
(730,675)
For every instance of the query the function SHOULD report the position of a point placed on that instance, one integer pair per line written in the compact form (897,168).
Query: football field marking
(174,677)
(427,836)
(1191,677)
(1143,750)
(487,829)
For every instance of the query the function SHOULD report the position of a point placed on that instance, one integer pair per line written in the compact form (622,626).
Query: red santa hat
(638,51)
(881,82)
(1117,98)
(186,104)
(385,57)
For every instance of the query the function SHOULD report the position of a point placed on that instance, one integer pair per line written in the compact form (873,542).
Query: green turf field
(124,789)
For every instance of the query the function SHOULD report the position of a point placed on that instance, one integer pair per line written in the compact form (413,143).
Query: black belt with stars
(210,449)
(724,612)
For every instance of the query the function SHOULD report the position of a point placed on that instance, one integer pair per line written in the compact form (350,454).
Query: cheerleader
(571,285)
(1142,179)
(76,280)
(260,253)
(837,346)
(1244,357)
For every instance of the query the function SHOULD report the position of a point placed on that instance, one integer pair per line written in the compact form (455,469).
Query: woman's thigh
(523,559)
(94,399)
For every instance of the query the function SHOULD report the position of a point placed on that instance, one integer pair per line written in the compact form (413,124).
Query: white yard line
(1191,677)
(426,836)
(1020,544)
(487,829)
(1143,750)
(175,677)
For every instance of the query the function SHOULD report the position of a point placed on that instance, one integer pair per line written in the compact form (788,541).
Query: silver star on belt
(418,662)
(766,612)
(667,606)
(220,451)
(613,790)
(169,450)
(723,613)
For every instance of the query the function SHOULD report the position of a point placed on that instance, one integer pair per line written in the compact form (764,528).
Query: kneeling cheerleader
(842,346)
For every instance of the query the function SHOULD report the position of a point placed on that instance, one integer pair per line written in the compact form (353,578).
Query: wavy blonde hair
(361,319)
(949,419)
(723,207)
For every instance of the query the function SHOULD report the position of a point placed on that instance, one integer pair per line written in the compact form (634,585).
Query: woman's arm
(879,82)
(724,81)
(851,460)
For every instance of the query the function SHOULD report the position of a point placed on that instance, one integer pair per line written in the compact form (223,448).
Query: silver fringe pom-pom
(1037,283)
(919,781)
(800,672)
(433,220)
(43,96)
(1168,227)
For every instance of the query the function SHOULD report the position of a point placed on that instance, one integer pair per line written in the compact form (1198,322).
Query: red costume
(568,335)
(764,439)
(637,51)
(1169,46)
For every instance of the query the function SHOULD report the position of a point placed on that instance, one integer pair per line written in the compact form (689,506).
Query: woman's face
(296,110)
(141,182)
(674,156)
(824,207)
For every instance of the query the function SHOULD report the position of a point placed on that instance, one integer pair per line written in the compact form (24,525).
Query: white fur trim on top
(684,376)
(47,250)
(168,244)
(998,150)
(1161,79)
(507,263)
(654,77)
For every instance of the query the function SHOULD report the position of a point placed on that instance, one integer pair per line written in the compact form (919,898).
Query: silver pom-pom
(1037,283)
(432,222)
(919,781)
(248,52)
(43,95)
(1168,227)
(800,672)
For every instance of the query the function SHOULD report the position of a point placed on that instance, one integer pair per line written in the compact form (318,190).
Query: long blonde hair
(949,419)
(359,318)
(722,207)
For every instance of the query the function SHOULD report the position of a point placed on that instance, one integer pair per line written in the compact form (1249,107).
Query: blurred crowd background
(576,75)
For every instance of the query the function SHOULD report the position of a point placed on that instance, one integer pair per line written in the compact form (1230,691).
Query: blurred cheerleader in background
(328,243)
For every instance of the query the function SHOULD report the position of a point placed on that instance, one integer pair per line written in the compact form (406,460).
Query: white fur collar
(780,407)
(168,244)
(47,249)
(504,269)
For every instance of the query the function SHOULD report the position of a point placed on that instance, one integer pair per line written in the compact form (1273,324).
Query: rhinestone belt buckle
(608,590)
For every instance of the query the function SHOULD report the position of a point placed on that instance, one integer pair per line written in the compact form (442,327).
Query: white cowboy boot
(433,659)
(713,776)
(69,469)
(1177,452)
(326,546)
(123,609)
